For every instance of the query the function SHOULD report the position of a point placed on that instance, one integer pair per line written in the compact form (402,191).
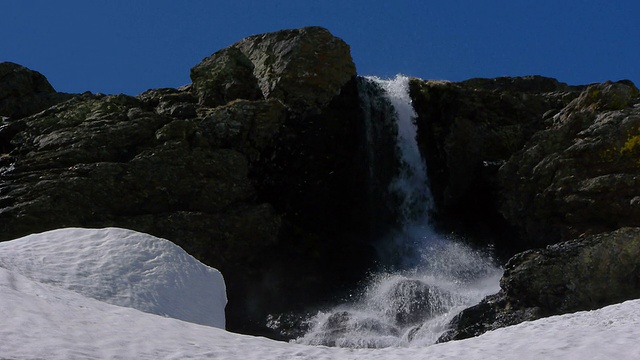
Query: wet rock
(577,275)
(9,129)
(349,330)
(249,126)
(467,131)
(409,302)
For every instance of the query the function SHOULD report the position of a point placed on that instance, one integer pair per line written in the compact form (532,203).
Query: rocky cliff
(527,162)
(469,130)
(256,168)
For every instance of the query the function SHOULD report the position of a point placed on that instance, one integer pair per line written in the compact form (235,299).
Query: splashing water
(412,183)
(413,305)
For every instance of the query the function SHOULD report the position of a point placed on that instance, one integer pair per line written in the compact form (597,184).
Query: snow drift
(50,283)
(120,267)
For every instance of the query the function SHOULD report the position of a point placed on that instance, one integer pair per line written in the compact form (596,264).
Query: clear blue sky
(128,46)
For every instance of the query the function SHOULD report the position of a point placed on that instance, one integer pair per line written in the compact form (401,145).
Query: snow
(55,290)
(121,267)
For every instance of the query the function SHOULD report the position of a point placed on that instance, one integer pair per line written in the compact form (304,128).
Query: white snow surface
(121,267)
(53,316)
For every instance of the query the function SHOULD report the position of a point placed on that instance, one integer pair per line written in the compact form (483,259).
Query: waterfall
(437,275)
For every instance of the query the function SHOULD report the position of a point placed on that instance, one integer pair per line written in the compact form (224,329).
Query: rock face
(25,92)
(542,162)
(467,131)
(580,175)
(253,168)
(577,275)
(546,163)
(305,68)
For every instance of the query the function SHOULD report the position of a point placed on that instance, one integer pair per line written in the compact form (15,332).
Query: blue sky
(129,46)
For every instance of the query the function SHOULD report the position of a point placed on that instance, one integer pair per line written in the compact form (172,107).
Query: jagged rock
(410,302)
(250,126)
(581,175)
(582,274)
(467,130)
(24,92)
(225,76)
(266,190)
(305,68)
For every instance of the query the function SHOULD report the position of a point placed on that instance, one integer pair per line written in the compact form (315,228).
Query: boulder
(409,302)
(254,169)
(304,68)
(577,275)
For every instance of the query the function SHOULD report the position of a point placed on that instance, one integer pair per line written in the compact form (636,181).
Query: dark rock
(409,302)
(467,130)
(266,190)
(225,76)
(582,274)
(249,126)
(580,175)
(524,84)
(9,129)
(24,92)
(305,68)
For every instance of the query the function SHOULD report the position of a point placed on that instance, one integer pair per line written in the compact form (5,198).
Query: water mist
(437,276)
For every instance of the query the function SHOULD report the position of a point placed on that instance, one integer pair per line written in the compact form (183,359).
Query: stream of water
(413,304)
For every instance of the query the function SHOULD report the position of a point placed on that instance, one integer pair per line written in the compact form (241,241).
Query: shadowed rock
(580,175)
(253,168)
(582,274)
(24,92)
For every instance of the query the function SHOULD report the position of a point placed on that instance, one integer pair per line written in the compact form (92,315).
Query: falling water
(413,304)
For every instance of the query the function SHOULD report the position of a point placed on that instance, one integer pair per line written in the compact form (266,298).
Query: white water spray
(411,306)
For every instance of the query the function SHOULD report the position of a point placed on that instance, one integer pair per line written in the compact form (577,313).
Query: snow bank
(49,284)
(41,321)
(121,267)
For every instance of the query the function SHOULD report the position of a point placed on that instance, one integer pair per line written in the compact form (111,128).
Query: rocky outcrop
(577,275)
(224,76)
(25,92)
(537,162)
(305,68)
(580,175)
(253,168)
(467,131)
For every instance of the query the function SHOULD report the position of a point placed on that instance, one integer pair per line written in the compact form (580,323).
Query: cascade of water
(411,184)
(414,304)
